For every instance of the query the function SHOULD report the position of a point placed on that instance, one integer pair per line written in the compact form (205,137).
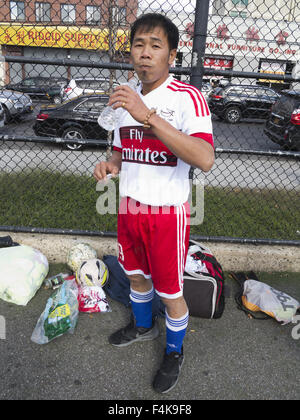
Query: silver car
(14,103)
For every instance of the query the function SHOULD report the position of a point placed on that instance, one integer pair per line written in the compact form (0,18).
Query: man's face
(151,57)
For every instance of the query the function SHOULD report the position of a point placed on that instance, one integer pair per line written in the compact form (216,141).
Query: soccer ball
(79,253)
(92,272)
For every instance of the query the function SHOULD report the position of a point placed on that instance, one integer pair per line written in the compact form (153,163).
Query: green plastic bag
(60,315)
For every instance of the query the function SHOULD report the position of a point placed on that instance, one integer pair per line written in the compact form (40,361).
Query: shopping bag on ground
(261,301)
(92,299)
(22,272)
(60,315)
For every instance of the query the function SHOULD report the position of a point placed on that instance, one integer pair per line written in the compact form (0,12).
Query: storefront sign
(218,63)
(224,47)
(271,67)
(62,37)
(256,40)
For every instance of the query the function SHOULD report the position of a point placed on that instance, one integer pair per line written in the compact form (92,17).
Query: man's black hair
(149,21)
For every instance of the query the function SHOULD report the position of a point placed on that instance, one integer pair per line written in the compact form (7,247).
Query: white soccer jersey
(151,173)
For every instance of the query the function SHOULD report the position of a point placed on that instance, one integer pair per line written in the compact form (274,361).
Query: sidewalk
(231,358)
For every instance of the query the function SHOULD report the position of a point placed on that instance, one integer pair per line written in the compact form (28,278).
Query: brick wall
(131,10)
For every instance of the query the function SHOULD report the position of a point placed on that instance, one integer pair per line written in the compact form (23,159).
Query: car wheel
(57,100)
(233,115)
(290,144)
(73,133)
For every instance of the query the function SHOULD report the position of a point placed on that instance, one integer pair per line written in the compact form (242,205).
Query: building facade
(276,10)
(260,36)
(87,30)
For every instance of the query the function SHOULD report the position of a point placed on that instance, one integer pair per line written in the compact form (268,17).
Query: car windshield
(218,91)
(286,104)
(28,82)
(93,84)
(231,90)
(58,81)
(92,104)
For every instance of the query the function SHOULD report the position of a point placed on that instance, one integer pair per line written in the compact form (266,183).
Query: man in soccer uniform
(164,129)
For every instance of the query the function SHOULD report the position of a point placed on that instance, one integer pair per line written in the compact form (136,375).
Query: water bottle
(110,116)
(55,282)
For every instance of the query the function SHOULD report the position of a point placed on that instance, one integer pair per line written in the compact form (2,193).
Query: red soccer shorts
(153,242)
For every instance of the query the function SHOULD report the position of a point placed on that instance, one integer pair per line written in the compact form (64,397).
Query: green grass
(52,200)
(252,214)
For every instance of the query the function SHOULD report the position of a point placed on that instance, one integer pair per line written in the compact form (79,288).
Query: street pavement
(230,170)
(248,134)
(233,358)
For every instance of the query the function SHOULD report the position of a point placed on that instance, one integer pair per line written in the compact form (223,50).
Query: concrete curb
(233,257)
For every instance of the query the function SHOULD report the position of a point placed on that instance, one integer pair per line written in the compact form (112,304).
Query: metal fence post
(199,44)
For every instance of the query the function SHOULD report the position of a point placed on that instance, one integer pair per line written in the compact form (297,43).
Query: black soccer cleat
(168,374)
(131,334)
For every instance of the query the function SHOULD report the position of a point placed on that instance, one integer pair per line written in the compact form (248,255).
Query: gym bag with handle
(261,301)
(203,282)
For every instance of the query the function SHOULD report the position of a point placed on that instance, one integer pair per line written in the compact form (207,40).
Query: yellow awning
(269,80)
(62,37)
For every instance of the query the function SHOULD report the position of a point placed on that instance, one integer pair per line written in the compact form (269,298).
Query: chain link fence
(60,61)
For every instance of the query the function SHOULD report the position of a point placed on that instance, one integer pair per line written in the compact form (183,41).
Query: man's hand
(112,166)
(124,97)
(104,168)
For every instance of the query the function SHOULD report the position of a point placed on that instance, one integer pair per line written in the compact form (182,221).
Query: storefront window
(93,15)
(119,15)
(275,67)
(68,13)
(17,10)
(43,12)
(240,2)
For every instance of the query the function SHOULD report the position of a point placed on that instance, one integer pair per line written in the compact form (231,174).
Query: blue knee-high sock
(176,329)
(141,304)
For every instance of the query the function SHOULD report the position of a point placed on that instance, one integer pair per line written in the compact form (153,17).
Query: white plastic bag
(60,315)
(92,299)
(258,296)
(22,272)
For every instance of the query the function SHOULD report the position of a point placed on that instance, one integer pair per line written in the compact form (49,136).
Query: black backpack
(253,300)
(240,278)
(118,287)
(6,242)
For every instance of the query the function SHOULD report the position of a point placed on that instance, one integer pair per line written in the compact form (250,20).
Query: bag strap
(211,259)
(240,278)
(252,276)
(5,241)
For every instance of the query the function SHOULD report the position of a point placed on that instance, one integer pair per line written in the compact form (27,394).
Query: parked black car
(41,87)
(234,102)
(283,124)
(74,119)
